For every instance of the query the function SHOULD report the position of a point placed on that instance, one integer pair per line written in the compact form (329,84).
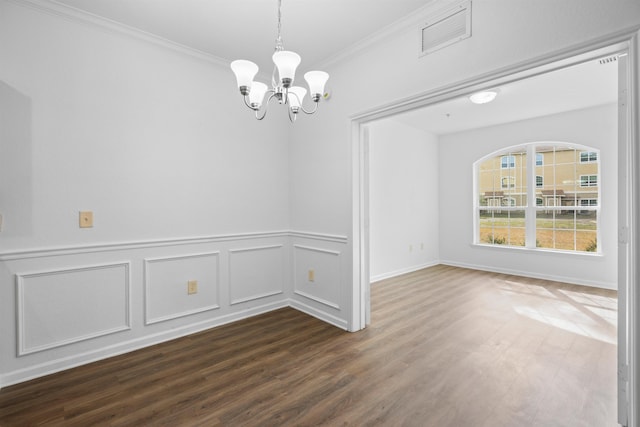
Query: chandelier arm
(292,117)
(315,108)
(245,97)
(265,107)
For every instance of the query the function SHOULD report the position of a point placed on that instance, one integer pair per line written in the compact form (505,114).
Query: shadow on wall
(16,193)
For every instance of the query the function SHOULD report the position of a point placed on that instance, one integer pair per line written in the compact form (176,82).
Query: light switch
(86,219)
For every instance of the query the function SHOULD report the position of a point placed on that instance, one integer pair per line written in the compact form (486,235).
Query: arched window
(559,211)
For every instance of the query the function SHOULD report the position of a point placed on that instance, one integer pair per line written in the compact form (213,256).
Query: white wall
(156,143)
(403,199)
(594,127)
(184,184)
(145,137)
(505,33)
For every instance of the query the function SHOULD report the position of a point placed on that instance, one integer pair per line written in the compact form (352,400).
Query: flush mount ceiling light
(484,96)
(282,80)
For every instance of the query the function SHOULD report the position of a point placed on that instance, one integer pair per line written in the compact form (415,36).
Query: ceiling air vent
(446,28)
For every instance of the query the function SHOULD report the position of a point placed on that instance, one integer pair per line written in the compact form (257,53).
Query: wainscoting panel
(256,272)
(65,306)
(318,275)
(166,286)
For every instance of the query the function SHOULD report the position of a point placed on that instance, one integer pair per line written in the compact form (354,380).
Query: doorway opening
(624,161)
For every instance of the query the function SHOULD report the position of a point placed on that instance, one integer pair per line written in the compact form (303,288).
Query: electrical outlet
(311,276)
(86,219)
(192,287)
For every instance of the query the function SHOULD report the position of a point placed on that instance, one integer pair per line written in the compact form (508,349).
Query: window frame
(531,208)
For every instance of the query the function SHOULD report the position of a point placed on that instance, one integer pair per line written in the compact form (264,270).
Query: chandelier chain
(279,44)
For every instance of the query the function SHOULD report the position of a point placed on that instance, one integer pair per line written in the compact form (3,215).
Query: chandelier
(282,79)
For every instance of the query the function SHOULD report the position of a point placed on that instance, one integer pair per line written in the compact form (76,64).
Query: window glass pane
(500,227)
(566,230)
(502,180)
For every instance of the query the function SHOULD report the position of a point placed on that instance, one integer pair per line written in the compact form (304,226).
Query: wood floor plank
(447,347)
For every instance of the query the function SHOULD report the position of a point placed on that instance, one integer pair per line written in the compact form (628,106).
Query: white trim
(319,314)
(321,250)
(534,275)
(255,296)
(83,17)
(255,248)
(400,272)
(319,236)
(625,39)
(316,299)
(406,23)
(147,289)
(530,68)
(22,350)
(65,363)
(143,244)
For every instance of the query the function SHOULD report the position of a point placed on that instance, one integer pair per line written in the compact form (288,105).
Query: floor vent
(446,28)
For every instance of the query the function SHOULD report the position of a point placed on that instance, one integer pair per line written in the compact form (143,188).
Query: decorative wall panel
(256,272)
(318,275)
(167,286)
(65,306)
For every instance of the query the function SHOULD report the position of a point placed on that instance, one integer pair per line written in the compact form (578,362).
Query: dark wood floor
(447,347)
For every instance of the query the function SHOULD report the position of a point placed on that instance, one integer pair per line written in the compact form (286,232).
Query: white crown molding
(409,22)
(73,14)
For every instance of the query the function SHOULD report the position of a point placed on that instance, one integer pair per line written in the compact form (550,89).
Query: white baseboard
(62,364)
(535,275)
(319,314)
(379,277)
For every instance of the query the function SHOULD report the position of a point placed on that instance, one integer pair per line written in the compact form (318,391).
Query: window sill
(539,250)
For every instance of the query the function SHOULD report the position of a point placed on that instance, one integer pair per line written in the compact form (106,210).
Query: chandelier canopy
(282,79)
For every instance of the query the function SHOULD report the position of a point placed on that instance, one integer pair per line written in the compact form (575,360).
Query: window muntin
(564,207)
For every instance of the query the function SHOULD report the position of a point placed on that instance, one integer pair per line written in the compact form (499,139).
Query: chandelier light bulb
(245,71)
(316,81)
(296,95)
(256,95)
(287,62)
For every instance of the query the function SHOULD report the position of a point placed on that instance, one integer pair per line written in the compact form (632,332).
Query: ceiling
(247,29)
(580,86)
(320,30)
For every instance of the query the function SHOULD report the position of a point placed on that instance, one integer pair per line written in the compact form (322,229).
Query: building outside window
(559,212)
(507,162)
(588,180)
(588,156)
